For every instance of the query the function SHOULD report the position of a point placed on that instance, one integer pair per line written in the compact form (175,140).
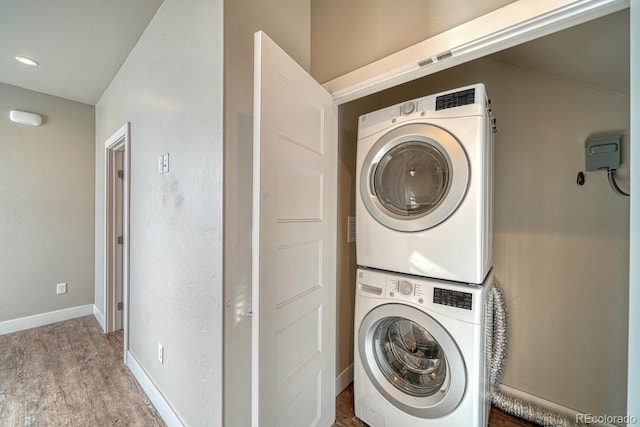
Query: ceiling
(80,44)
(595,53)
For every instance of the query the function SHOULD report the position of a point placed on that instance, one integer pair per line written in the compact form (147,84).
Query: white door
(294,240)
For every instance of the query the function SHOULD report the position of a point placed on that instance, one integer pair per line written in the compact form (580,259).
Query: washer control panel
(435,297)
(403,288)
(453,298)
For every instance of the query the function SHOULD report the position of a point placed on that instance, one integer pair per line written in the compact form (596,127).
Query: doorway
(116,247)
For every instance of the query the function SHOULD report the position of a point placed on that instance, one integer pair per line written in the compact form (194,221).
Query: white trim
(547,404)
(516,23)
(155,396)
(344,379)
(22,323)
(99,317)
(255,233)
(120,140)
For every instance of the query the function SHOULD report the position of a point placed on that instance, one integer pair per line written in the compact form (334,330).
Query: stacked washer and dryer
(424,226)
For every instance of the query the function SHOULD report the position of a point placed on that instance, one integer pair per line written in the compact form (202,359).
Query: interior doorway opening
(116,240)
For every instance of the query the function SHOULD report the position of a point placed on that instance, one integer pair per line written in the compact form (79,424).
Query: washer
(420,358)
(424,179)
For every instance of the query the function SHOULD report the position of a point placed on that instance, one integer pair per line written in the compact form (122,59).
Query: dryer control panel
(456,99)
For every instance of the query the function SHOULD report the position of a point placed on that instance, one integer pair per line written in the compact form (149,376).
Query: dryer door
(412,360)
(414,177)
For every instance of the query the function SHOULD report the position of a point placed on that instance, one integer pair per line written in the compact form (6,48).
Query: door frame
(511,25)
(119,141)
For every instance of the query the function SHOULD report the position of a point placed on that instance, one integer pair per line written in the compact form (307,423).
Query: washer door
(412,360)
(414,177)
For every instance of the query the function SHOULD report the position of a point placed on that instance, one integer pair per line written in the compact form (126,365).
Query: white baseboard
(547,404)
(158,400)
(15,325)
(99,317)
(344,379)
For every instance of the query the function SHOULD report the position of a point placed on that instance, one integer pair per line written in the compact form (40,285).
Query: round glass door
(412,360)
(409,357)
(414,177)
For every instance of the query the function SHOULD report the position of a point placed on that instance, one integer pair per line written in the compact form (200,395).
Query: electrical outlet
(160,353)
(61,288)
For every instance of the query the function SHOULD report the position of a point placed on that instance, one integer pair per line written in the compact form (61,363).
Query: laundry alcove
(561,251)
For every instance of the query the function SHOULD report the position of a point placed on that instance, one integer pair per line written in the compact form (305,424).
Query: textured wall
(170,89)
(287,23)
(348,34)
(46,213)
(560,251)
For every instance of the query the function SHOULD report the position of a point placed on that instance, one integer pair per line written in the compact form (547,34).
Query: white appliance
(424,202)
(420,352)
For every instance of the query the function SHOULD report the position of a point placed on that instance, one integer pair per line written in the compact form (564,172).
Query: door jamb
(118,141)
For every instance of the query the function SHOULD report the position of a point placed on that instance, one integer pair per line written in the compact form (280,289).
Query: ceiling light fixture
(27,61)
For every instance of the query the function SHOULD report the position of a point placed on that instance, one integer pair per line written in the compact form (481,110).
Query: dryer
(420,351)
(424,172)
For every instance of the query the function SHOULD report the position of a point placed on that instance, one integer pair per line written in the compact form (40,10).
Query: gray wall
(46,214)
(170,90)
(287,23)
(347,36)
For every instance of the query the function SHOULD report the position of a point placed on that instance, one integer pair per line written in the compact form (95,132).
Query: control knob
(408,107)
(405,288)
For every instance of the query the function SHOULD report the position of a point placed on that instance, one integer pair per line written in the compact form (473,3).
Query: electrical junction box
(602,153)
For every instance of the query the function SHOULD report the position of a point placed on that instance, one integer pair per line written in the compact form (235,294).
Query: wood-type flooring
(70,373)
(345,416)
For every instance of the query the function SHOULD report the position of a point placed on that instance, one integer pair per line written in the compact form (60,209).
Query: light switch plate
(160,164)
(165,163)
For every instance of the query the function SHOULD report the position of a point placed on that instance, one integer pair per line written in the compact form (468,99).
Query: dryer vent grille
(351,229)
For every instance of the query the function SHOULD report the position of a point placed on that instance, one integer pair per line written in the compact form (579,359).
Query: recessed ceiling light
(27,61)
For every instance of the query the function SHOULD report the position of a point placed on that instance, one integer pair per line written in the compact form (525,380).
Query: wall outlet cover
(61,288)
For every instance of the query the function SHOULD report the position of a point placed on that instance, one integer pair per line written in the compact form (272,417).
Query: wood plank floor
(70,373)
(345,416)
